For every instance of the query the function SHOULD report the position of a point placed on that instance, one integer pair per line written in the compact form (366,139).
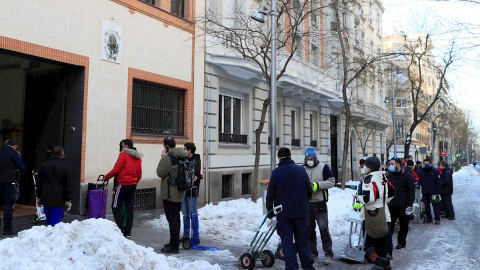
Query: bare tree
(250,40)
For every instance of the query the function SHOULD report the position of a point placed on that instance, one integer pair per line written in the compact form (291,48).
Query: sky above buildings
(445,21)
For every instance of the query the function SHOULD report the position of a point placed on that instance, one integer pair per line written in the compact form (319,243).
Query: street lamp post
(393,116)
(258,16)
(433,129)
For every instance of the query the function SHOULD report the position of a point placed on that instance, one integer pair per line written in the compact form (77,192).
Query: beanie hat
(410,163)
(373,163)
(310,152)
(284,153)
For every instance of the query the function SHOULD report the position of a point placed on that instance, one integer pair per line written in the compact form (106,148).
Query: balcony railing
(313,143)
(277,141)
(232,138)
(296,142)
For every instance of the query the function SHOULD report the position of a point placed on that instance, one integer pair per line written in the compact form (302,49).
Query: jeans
(189,206)
(448,206)
(124,194)
(7,199)
(404,220)
(287,229)
(172,213)
(319,214)
(428,210)
(54,214)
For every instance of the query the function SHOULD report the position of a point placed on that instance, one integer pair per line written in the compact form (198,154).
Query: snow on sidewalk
(89,244)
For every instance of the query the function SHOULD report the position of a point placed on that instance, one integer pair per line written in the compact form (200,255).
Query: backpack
(186,173)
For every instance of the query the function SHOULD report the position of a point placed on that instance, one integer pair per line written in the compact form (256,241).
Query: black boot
(381,263)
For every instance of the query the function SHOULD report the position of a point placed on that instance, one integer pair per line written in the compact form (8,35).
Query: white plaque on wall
(111,42)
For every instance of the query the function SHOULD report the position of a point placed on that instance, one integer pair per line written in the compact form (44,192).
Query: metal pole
(443,141)
(433,139)
(273,87)
(393,116)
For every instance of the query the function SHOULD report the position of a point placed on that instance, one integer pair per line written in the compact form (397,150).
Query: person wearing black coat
(290,187)
(447,190)
(404,184)
(54,187)
(10,162)
(189,204)
(431,185)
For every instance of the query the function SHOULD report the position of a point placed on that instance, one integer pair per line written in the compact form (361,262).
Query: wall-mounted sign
(111,42)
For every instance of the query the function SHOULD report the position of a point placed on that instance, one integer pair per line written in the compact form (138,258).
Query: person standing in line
(291,188)
(375,195)
(10,162)
(171,196)
(189,204)
(322,179)
(404,196)
(54,187)
(431,189)
(447,190)
(128,170)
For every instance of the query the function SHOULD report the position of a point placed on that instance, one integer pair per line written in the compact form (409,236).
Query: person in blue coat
(290,187)
(10,162)
(431,186)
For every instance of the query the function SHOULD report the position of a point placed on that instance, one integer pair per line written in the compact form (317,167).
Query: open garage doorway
(41,104)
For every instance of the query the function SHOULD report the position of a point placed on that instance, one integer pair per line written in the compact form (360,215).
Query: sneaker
(170,249)
(184,239)
(328,261)
(400,246)
(11,233)
(451,218)
(437,222)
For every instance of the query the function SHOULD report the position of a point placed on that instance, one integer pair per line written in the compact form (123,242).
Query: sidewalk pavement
(145,234)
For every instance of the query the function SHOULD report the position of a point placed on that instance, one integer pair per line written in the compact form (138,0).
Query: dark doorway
(333,147)
(50,95)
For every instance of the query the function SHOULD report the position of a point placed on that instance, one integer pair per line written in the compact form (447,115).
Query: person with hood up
(322,179)
(376,194)
(171,196)
(447,190)
(431,189)
(189,204)
(404,185)
(128,170)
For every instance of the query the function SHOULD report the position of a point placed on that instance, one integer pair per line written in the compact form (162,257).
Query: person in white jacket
(374,188)
(322,179)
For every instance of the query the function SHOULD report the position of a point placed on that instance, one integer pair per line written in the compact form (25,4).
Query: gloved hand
(357,206)
(314,186)
(68,206)
(435,198)
(271,215)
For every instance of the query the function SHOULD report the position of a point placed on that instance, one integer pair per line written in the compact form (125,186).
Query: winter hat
(373,163)
(284,153)
(410,163)
(310,152)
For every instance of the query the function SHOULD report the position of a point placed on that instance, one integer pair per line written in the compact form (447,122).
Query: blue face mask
(391,168)
(426,166)
(436,167)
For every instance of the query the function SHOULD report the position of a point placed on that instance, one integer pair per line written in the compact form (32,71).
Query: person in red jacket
(128,170)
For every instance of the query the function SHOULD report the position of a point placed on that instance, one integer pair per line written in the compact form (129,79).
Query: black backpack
(186,173)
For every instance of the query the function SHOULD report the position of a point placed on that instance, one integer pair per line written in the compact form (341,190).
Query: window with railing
(230,120)
(402,103)
(294,128)
(313,129)
(157,109)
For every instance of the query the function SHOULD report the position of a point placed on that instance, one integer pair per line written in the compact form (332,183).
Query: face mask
(391,168)
(310,163)
(436,167)
(427,166)
(364,170)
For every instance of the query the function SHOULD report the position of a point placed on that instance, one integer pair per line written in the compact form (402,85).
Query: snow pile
(89,244)
(237,221)
(466,174)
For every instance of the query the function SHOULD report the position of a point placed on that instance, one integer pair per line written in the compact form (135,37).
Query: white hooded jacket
(373,191)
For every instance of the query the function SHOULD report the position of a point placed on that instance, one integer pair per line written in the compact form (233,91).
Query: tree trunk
(258,132)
